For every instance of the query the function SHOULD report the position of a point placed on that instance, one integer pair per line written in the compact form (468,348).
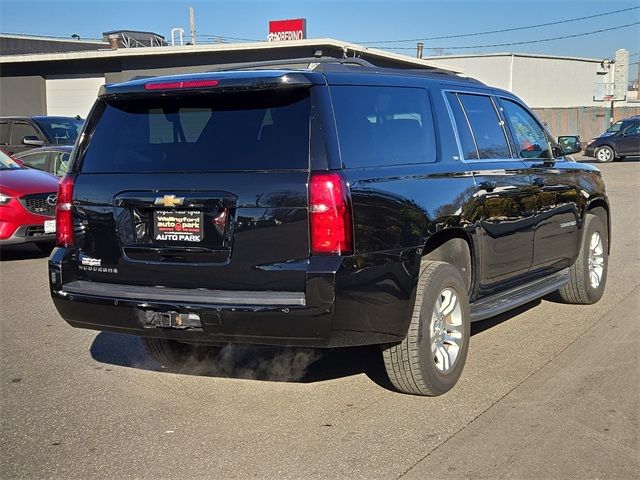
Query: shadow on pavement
(274,364)
(21,252)
(482,325)
(301,365)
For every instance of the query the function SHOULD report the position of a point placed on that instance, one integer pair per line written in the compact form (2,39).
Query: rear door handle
(538,181)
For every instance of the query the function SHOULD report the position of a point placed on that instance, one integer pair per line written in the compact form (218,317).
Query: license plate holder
(178,226)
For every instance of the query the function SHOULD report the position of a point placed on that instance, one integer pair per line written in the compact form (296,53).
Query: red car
(27,205)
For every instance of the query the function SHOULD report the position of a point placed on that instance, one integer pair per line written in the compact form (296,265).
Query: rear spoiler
(214,83)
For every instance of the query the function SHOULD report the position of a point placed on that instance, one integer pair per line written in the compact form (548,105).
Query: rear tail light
(64,216)
(329,214)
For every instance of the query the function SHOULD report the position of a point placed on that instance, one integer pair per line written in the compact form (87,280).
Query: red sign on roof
(293,29)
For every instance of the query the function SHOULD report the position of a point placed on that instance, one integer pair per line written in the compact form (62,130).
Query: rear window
(380,126)
(195,133)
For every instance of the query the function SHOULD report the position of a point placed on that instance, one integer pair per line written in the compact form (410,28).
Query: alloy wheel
(446,330)
(596,260)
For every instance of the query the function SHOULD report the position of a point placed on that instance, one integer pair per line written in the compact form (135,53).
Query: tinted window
(383,125)
(21,130)
(36,160)
(469,150)
(248,131)
(4,132)
(531,140)
(486,126)
(633,129)
(61,131)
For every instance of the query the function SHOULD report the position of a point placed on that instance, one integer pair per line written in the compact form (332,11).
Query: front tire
(588,275)
(605,154)
(430,360)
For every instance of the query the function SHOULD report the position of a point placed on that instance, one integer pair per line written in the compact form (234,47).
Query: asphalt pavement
(549,391)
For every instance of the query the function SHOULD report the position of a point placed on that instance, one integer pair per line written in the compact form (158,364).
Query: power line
(593,32)
(505,29)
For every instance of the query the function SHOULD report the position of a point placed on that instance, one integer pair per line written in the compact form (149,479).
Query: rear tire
(605,154)
(176,355)
(588,275)
(429,361)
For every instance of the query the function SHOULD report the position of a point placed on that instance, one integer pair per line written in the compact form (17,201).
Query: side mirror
(33,141)
(569,144)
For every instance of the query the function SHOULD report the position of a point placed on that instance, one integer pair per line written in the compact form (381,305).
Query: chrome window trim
(547,134)
(455,126)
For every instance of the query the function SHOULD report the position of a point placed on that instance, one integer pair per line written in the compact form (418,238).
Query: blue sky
(356,21)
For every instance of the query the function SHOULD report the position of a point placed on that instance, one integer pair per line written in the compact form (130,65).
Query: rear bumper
(341,306)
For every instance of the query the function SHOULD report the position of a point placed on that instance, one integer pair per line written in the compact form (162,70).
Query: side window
(486,126)
(531,140)
(36,160)
(4,132)
(380,126)
(615,128)
(59,163)
(633,129)
(21,130)
(469,150)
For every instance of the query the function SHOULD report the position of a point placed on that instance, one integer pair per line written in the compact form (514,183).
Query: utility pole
(192,22)
(638,79)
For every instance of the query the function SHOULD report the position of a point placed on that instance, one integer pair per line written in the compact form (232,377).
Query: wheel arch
(615,154)
(599,202)
(453,246)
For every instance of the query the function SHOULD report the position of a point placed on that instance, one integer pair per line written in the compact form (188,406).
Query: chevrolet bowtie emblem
(169,201)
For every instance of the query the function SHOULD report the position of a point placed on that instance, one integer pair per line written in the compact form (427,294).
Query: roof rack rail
(332,64)
(266,64)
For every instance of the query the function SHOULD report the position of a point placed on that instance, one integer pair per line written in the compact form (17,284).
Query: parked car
(621,139)
(27,205)
(52,159)
(18,134)
(333,206)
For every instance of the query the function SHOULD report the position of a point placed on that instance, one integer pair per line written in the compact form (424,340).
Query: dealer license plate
(177,226)
(49,226)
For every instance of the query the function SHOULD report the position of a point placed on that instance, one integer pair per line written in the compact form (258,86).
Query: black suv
(332,206)
(18,134)
(621,139)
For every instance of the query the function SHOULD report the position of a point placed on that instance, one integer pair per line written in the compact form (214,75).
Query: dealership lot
(549,390)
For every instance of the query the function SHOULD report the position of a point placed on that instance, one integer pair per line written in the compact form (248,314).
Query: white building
(545,81)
